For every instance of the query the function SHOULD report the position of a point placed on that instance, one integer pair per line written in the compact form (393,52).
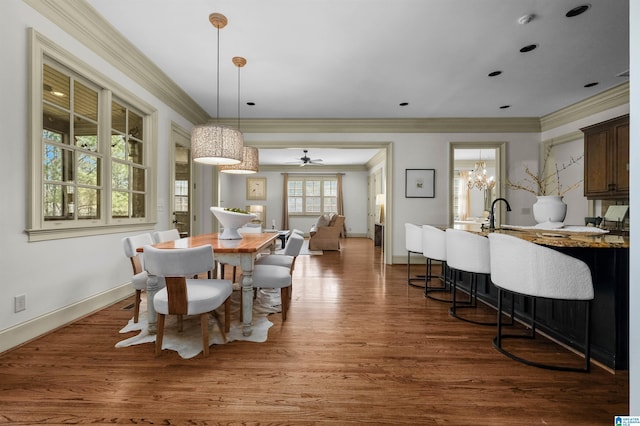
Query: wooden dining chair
(139,278)
(187,296)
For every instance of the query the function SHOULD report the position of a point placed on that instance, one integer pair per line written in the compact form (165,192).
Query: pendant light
(212,143)
(249,162)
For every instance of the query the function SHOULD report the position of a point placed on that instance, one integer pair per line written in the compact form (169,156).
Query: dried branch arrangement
(546,183)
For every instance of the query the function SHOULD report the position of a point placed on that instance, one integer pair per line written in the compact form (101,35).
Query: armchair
(327,237)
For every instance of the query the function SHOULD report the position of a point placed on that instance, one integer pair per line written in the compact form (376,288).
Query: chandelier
(212,143)
(478,178)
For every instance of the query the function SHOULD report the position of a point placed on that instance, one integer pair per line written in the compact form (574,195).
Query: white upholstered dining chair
(139,278)
(186,296)
(168,235)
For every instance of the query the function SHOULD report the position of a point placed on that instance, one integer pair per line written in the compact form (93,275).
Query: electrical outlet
(20,302)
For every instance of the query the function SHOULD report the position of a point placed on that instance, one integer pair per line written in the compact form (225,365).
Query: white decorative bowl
(231,221)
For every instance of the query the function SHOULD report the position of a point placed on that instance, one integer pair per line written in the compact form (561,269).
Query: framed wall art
(420,183)
(256,188)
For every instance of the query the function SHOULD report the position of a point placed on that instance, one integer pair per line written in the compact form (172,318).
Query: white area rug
(188,343)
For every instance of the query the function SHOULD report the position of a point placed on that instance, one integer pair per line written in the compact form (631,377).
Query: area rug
(188,343)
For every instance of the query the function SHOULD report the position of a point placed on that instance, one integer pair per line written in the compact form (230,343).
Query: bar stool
(413,244)
(434,247)
(467,252)
(525,268)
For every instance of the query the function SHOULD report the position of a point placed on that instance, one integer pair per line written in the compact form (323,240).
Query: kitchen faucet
(492,215)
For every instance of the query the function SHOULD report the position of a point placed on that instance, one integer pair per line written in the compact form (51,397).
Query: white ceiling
(362,58)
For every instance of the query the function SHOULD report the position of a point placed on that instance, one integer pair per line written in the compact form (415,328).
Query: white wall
(59,274)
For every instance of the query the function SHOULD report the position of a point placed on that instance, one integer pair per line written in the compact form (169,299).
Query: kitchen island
(608,258)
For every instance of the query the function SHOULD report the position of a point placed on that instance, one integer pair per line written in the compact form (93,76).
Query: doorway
(180,185)
(476,172)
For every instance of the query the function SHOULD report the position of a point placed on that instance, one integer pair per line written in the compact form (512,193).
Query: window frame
(41,51)
(313,178)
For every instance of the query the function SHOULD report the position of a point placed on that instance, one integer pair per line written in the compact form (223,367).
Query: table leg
(247,294)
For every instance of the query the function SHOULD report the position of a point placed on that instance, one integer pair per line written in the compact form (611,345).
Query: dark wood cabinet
(606,153)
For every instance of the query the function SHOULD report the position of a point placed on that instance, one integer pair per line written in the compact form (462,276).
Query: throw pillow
(322,221)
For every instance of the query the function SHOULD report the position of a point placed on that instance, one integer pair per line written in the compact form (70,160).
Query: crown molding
(326,168)
(389,125)
(82,22)
(611,98)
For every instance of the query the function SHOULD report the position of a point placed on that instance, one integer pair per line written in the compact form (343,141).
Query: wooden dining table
(241,252)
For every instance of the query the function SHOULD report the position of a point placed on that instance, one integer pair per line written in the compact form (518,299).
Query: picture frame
(420,183)
(256,188)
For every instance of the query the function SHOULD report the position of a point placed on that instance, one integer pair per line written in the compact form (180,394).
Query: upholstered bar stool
(467,252)
(413,244)
(525,268)
(434,247)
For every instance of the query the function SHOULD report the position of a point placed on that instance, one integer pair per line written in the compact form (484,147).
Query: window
(312,195)
(91,147)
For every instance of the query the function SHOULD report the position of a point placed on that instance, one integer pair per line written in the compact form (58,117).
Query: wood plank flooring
(358,346)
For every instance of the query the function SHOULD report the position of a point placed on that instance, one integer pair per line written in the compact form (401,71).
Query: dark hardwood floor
(358,346)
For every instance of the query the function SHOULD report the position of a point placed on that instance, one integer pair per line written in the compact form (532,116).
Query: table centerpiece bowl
(231,222)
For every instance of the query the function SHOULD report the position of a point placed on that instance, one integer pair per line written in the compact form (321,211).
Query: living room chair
(327,237)
(413,244)
(186,296)
(534,271)
(139,278)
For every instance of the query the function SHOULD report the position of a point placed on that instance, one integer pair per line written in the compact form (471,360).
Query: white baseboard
(29,330)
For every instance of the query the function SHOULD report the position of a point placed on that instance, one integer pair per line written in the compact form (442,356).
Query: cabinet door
(621,159)
(596,179)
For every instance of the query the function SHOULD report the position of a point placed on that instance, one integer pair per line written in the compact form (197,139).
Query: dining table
(239,252)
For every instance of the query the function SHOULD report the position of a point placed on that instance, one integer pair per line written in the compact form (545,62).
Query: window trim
(311,177)
(39,230)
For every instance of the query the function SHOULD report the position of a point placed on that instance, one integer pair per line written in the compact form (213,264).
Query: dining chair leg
(136,306)
(204,326)
(159,334)
(284,298)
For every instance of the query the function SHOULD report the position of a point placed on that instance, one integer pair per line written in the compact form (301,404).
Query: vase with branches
(547,186)
(546,182)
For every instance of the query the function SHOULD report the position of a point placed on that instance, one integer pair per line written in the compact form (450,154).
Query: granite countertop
(569,236)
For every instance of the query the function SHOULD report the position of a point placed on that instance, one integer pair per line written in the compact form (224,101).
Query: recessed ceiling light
(251,103)
(579,10)
(404,103)
(528,48)
(595,83)
(494,73)
(505,106)
(523,20)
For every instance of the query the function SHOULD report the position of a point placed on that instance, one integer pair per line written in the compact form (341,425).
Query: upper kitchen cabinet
(606,153)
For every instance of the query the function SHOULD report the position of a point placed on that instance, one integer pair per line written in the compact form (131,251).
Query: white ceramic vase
(231,221)
(549,209)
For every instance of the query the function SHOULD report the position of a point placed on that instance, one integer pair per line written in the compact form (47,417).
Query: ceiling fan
(305,160)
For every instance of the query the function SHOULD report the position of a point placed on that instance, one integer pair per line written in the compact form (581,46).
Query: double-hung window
(312,195)
(91,150)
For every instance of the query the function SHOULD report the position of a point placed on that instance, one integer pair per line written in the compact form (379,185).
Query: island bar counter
(608,258)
